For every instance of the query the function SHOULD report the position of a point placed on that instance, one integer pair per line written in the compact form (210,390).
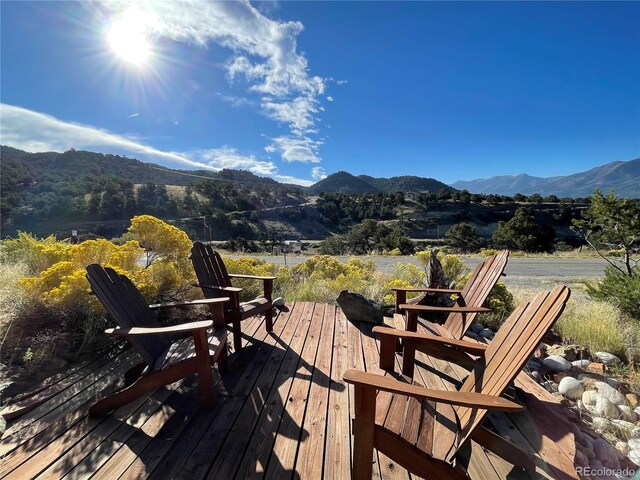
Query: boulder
(570,388)
(582,364)
(613,395)
(606,358)
(556,363)
(606,453)
(358,309)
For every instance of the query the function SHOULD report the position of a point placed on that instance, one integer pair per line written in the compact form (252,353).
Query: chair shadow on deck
(171,432)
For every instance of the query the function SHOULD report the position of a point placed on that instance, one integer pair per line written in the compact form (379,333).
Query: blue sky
(298,90)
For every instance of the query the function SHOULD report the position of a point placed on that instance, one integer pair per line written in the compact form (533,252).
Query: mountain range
(623,177)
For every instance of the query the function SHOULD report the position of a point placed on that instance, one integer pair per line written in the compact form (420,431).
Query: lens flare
(128,38)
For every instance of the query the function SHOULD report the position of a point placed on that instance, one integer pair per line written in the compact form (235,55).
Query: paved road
(527,273)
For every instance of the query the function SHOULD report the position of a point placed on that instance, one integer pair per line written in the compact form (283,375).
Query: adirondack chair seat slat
(169,353)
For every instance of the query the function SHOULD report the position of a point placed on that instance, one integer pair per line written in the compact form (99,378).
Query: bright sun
(128,38)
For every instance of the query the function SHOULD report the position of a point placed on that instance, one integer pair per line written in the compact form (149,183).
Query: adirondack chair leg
(223,359)
(412,321)
(387,353)
(408,358)
(205,372)
(363,432)
(268,319)
(237,335)
(503,448)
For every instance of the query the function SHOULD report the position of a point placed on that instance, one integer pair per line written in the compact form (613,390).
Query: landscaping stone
(634,456)
(635,433)
(556,363)
(603,408)
(549,387)
(633,400)
(581,363)
(589,398)
(613,395)
(475,328)
(3,425)
(487,333)
(623,424)
(606,453)
(596,464)
(358,309)
(588,452)
(596,368)
(278,302)
(601,424)
(474,336)
(606,358)
(584,440)
(536,376)
(623,448)
(557,377)
(570,388)
(569,352)
(581,459)
(627,413)
(637,410)
(613,382)
(634,444)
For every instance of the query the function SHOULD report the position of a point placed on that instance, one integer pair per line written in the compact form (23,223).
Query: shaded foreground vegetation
(47,311)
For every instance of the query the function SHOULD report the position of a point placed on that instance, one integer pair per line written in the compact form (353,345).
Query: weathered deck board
(283,411)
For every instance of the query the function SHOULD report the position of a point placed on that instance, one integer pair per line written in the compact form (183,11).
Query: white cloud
(318,173)
(36,132)
(342,82)
(330,99)
(264,52)
(296,148)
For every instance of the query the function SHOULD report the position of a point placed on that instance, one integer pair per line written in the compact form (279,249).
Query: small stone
(278,302)
(476,328)
(613,395)
(635,433)
(601,424)
(634,443)
(582,364)
(579,405)
(626,413)
(486,333)
(634,456)
(548,386)
(606,453)
(536,376)
(570,352)
(623,448)
(596,368)
(623,425)
(474,336)
(603,408)
(581,459)
(606,358)
(613,382)
(633,400)
(557,364)
(588,452)
(3,425)
(589,398)
(637,411)
(570,388)
(584,439)
(596,464)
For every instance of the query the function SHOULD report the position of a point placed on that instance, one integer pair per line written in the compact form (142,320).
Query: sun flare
(128,38)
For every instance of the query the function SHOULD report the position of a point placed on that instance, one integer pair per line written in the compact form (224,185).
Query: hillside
(623,177)
(344,182)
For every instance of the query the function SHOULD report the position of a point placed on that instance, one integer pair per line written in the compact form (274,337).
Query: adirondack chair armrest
(254,277)
(452,309)
(425,339)
(215,287)
(202,301)
(426,290)
(181,328)
(465,399)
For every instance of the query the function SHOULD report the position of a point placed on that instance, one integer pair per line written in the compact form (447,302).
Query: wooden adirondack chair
(424,430)
(168,352)
(468,305)
(215,281)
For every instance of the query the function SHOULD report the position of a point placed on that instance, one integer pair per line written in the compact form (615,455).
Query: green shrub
(620,289)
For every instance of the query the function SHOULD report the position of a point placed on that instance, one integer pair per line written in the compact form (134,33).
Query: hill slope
(344,182)
(623,177)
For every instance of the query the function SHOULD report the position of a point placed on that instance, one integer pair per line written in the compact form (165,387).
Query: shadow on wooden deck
(283,411)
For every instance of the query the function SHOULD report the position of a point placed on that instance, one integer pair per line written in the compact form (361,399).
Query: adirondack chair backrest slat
(509,351)
(126,305)
(476,291)
(209,268)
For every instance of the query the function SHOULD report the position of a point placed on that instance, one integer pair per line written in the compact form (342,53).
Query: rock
(536,376)
(278,302)
(583,364)
(626,413)
(596,368)
(570,388)
(581,459)
(584,439)
(623,448)
(637,411)
(534,365)
(476,328)
(613,382)
(474,336)
(606,453)
(603,408)
(601,424)
(549,387)
(589,398)
(627,427)
(613,395)
(633,400)
(588,452)
(596,464)
(634,443)
(487,333)
(634,456)
(606,358)
(3,425)
(579,405)
(557,377)
(358,309)
(570,352)
(635,433)
(556,363)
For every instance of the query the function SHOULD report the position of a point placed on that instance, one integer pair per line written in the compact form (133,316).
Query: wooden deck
(283,411)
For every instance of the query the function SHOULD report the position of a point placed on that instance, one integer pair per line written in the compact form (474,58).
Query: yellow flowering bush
(38,253)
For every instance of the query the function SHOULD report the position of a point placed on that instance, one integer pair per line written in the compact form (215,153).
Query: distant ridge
(344,182)
(623,177)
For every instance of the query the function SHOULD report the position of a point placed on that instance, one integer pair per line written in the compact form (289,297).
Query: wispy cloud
(264,55)
(296,149)
(318,173)
(38,132)
(133,115)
